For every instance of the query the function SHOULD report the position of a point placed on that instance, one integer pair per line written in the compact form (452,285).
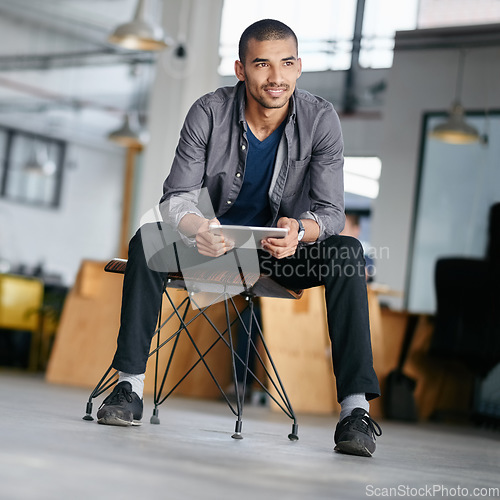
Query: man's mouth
(275,91)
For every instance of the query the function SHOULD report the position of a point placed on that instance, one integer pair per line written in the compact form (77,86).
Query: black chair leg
(108,380)
(294,435)
(88,410)
(155,419)
(104,384)
(237,430)
(275,380)
(239,403)
(158,391)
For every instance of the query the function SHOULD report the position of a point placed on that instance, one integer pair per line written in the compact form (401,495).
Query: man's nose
(274,75)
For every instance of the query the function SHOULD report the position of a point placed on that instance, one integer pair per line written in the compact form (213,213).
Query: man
(268,154)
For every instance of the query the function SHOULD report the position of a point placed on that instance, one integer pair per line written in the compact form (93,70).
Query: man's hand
(210,244)
(283,247)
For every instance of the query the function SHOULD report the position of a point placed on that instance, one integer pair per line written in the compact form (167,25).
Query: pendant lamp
(127,136)
(139,34)
(455,130)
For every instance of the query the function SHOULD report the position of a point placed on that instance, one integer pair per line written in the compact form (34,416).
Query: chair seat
(264,286)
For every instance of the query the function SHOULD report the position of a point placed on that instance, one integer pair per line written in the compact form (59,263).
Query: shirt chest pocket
(295,180)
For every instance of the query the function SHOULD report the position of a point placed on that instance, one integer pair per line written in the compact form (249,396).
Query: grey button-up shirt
(307,180)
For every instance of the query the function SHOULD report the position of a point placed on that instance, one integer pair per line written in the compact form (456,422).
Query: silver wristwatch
(302,230)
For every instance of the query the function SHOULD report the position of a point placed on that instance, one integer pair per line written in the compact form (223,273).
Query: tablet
(241,235)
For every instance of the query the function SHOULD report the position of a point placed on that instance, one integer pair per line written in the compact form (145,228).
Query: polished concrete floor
(48,452)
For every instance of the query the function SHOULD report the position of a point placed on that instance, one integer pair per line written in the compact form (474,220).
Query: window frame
(10,135)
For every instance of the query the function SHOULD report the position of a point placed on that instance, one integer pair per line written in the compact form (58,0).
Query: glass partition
(456,187)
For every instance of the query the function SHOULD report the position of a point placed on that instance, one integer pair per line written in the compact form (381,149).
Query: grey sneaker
(355,434)
(121,407)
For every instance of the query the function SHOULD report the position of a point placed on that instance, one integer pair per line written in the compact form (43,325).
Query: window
(324,29)
(31,168)
(381,20)
(361,175)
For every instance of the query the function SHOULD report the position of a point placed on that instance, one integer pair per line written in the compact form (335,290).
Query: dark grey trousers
(337,263)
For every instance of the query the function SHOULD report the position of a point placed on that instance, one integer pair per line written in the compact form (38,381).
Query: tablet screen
(242,235)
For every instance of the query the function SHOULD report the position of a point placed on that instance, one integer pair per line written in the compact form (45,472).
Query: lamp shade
(455,130)
(127,137)
(139,34)
(33,166)
(39,162)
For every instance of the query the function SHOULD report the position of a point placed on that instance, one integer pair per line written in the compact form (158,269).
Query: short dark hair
(265,29)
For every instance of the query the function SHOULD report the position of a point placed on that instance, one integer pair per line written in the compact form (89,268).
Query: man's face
(270,71)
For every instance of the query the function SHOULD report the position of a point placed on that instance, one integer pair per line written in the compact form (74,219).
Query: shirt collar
(240,96)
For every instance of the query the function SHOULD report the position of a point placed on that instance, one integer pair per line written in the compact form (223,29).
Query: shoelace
(117,396)
(364,423)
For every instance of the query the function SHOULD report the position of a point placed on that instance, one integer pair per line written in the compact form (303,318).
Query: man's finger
(279,252)
(278,242)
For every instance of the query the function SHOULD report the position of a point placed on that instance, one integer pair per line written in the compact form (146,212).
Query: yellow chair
(21,308)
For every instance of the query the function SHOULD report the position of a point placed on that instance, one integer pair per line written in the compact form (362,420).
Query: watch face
(302,230)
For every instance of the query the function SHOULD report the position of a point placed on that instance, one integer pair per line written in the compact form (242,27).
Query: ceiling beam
(52,21)
(108,56)
(482,35)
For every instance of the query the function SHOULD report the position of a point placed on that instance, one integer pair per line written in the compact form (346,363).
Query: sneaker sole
(112,420)
(353,448)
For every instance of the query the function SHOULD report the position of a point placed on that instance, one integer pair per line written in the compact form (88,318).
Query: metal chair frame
(175,281)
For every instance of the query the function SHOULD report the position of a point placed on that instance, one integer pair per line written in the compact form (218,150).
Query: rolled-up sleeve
(181,189)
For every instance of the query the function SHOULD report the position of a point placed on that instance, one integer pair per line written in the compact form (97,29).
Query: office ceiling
(58,74)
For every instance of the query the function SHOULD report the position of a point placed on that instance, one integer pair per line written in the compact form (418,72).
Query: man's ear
(239,71)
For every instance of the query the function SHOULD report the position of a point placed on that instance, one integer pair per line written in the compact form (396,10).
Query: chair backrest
(467,326)
(467,315)
(21,301)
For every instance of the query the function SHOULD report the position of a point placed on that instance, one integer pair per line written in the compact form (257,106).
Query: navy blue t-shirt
(251,208)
